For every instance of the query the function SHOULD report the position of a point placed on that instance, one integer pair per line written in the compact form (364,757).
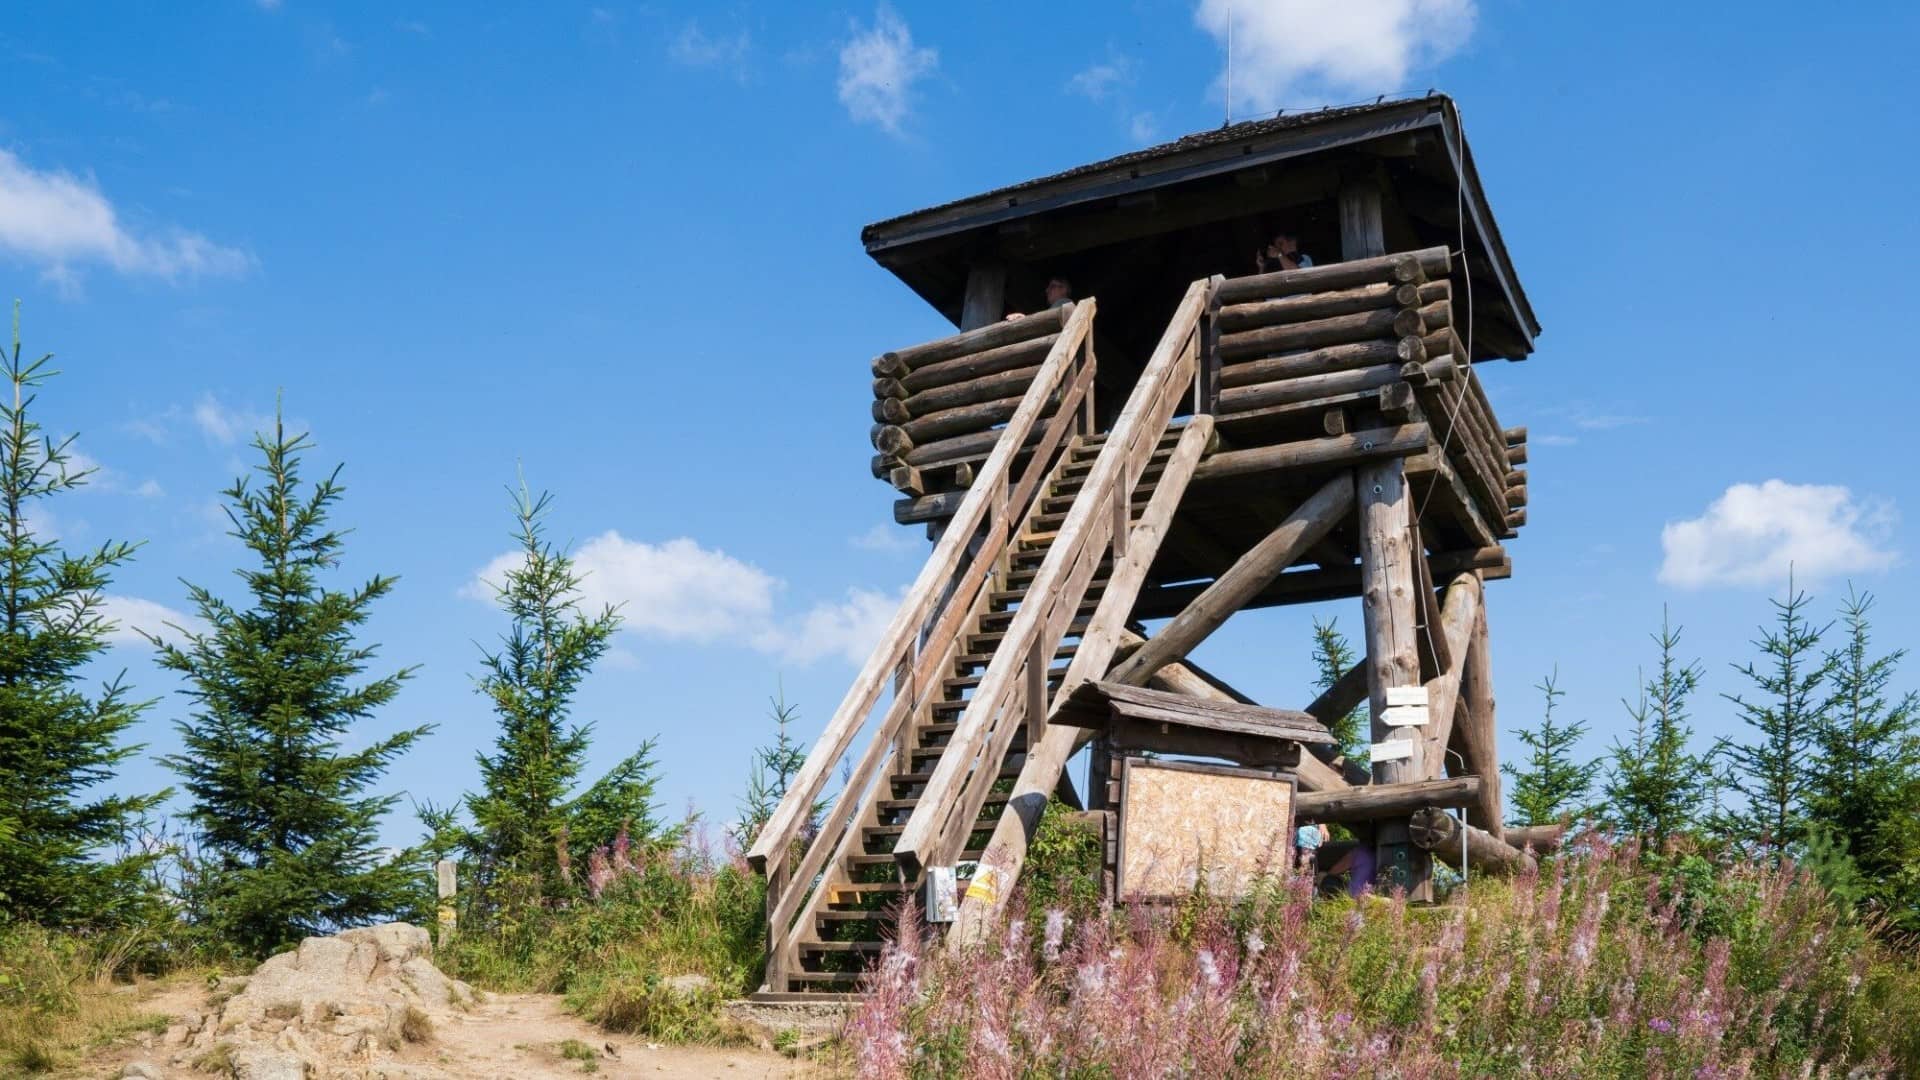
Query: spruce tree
(59,743)
(528,826)
(1332,657)
(282,815)
(521,817)
(1552,785)
(1658,785)
(1865,781)
(774,767)
(1775,771)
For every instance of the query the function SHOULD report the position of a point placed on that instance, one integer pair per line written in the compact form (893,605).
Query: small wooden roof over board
(1099,704)
(1136,229)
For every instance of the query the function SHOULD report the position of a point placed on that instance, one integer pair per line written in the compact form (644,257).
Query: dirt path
(507,1036)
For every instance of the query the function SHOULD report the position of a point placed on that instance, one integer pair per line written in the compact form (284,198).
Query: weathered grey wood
(1475,731)
(986,295)
(1184,677)
(1322,305)
(1393,655)
(1408,267)
(900,361)
(1361,446)
(891,440)
(1311,388)
(1132,736)
(885,387)
(971,392)
(1323,510)
(890,411)
(972,366)
(1378,801)
(1327,361)
(1320,333)
(1095,705)
(1541,839)
(959,421)
(1363,232)
(1308,586)
(1486,854)
(1459,614)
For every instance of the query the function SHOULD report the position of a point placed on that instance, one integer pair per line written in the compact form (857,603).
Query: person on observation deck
(1281,253)
(1059,293)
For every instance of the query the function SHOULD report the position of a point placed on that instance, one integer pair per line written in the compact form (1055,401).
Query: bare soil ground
(506,1036)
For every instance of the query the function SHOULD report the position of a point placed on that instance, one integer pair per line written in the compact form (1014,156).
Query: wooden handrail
(953,796)
(899,642)
(921,639)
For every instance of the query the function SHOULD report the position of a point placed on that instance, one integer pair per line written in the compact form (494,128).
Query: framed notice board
(1182,823)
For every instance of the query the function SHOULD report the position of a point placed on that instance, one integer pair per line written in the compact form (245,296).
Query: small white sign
(1404,716)
(941,902)
(1392,750)
(1406,695)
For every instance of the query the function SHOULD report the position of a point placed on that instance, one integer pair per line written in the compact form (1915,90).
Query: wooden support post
(1380,801)
(986,298)
(1475,730)
(447,886)
(1362,229)
(1242,581)
(1393,657)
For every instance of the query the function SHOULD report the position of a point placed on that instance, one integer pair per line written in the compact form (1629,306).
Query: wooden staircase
(1025,595)
(851,921)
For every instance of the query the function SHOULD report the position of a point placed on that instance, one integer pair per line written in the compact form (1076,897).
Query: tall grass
(1601,964)
(58,994)
(645,917)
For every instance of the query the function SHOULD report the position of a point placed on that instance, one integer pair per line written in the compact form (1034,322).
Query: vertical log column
(1387,580)
(986,295)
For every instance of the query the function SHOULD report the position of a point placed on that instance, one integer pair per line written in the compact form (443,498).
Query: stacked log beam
(937,407)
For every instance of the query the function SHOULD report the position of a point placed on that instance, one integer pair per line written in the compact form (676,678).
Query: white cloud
(1323,50)
(1143,128)
(680,591)
(60,221)
(886,538)
(878,68)
(1555,440)
(695,48)
(848,629)
(1755,533)
(131,615)
(226,425)
(1606,421)
(1098,82)
(100,478)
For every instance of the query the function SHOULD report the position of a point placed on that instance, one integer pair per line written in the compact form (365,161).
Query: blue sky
(617,247)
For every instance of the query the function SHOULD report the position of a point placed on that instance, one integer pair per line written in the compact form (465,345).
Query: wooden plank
(1386,800)
(1393,657)
(1337,330)
(1096,704)
(1475,730)
(898,362)
(1400,268)
(1243,580)
(1459,615)
(1361,446)
(986,295)
(972,366)
(1321,305)
(1309,388)
(1486,853)
(1327,361)
(1308,586)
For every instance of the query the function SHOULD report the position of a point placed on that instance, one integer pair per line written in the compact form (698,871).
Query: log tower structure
(1242,441)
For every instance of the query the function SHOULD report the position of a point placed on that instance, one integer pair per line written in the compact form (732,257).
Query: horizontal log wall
(938,407)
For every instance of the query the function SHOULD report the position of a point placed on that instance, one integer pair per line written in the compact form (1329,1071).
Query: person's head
(1058,289)
(1284,243)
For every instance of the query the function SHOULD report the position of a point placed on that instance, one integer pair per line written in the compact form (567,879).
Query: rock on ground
(336,1008)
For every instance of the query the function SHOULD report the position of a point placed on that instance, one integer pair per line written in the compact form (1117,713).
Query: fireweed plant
(1600,963)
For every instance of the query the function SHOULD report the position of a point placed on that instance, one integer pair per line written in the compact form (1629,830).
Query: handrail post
(1206,373)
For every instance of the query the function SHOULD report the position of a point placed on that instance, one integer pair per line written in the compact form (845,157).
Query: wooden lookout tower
(1243,440)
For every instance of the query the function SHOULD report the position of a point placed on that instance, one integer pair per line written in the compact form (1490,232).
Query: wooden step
(1060,504)
(970,661)
(935,752)
(1079,467)
(1000,620)
(856,915)
(863,859)
(829,978)
(953,686)
(802,997)
(1007,772)
(990,640)
(979,825)
(841,946)
(888,806)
